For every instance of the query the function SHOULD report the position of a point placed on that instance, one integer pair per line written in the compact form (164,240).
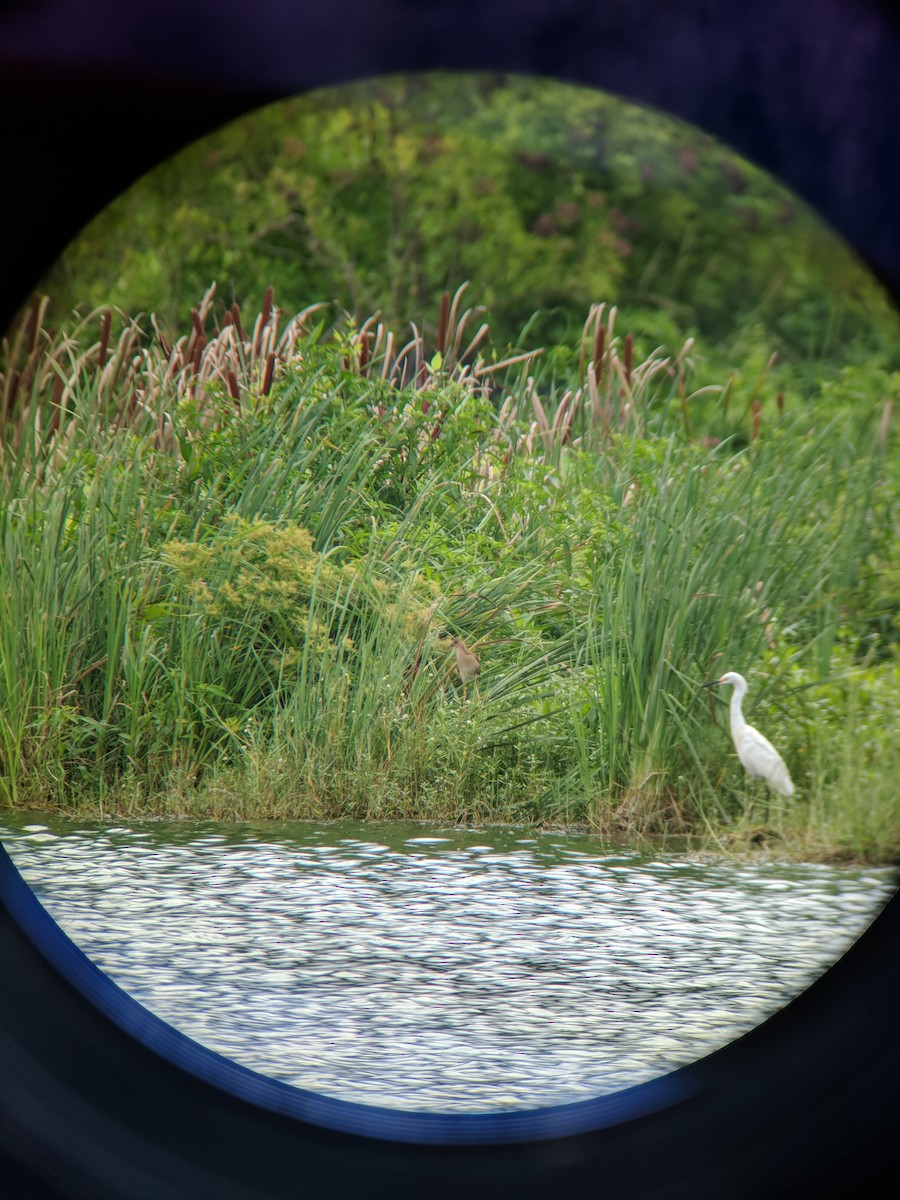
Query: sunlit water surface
(421,968)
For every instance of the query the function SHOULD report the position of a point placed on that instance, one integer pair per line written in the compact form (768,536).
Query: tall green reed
(723,557)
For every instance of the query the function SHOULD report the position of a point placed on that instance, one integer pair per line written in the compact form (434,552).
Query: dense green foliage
(547,197)
(241,601)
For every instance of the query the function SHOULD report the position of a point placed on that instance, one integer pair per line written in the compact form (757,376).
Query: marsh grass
(232,564)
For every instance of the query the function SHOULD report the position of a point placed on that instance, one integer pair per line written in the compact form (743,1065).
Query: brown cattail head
(268,303)
(779,400)
(629,351)
(236,318)
(269,373)
(599,340)
(363,353)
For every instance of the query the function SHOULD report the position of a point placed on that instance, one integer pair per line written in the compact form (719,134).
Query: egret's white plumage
(757,754)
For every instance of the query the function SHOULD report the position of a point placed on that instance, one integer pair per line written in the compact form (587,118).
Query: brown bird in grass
(467,663)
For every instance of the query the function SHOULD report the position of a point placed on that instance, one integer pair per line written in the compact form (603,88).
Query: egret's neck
(737,717)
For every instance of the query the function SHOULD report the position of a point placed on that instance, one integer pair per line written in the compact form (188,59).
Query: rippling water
(422,968)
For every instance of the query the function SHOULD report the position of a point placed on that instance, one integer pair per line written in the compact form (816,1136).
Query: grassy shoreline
(233,562)
(745,840)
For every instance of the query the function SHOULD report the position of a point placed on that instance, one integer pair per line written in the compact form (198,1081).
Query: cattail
(233,388)
(263,321)
(599,339)
(565,413)
(388,362)
(236,318)
(629,350)
(442,322)
(270,371)
(476,341)
(268,302)
(104,339)
(192,340)
(779,400)
(363,353)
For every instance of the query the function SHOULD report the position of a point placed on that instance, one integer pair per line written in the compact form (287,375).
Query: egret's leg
(754,798)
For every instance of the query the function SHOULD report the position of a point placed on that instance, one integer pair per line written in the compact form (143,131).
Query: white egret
(757,754)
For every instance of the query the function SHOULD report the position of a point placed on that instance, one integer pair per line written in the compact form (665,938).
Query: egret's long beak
(712,683)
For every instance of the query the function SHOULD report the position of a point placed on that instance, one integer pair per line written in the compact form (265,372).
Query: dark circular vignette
(94,96)
(96,93)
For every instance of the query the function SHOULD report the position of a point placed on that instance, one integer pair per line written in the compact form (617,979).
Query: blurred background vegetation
(547,197)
